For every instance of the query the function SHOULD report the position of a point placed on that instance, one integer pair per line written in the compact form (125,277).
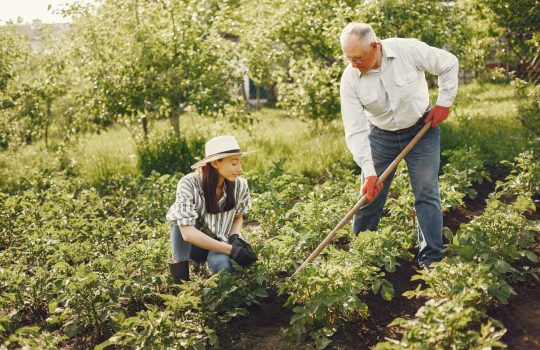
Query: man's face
(362,57)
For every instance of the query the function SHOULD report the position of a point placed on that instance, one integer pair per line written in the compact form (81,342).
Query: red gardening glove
(438,114)
(370,188)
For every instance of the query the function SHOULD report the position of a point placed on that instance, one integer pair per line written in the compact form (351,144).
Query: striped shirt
(190,209)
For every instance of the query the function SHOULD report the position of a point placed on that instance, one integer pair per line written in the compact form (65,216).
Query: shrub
(529,108)
(168,154)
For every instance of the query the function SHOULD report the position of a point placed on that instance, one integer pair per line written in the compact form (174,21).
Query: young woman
(206,217)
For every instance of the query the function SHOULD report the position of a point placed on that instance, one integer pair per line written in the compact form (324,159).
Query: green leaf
(409,294)
(52,306)
(503,267)
(376,286)
(72,329)
(387,290)
(322,343)
(103,345)
(416,277)
(260,292)
(298,309)
(27,330)
(531,255)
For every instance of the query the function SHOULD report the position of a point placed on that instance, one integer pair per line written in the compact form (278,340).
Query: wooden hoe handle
(363,200)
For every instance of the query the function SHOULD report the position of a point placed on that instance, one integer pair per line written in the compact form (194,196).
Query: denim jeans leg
(423,163)
(180,248)
(218,262)
(384,149)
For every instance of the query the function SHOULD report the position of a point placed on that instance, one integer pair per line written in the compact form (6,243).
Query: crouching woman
(206,217)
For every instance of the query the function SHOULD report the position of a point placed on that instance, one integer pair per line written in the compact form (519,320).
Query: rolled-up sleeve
(356,125)
(183,211)
(441,63)
(243,205)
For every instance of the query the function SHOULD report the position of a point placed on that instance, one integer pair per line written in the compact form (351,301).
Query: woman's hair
(209,185)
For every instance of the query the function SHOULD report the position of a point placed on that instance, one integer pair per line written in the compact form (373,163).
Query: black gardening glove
(233,238)
(241,252)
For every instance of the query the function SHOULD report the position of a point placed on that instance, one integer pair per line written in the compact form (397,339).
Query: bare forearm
(196,237)
(237,224)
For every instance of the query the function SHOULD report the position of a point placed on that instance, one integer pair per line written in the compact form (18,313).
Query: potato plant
(482,261)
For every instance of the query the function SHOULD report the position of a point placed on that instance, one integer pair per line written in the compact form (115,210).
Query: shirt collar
(224,195)
(224,189)
(388,50)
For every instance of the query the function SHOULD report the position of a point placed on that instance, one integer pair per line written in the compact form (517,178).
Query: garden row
(328,292)
(484,258)
(88,264)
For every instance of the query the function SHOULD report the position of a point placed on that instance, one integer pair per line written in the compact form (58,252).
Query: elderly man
(384,103)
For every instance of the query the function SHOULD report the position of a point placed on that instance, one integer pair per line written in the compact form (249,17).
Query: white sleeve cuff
(368,169)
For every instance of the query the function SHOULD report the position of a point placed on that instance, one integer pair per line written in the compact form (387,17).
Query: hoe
(363,199)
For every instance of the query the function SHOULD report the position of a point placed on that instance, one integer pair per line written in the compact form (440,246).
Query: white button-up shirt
(394,96)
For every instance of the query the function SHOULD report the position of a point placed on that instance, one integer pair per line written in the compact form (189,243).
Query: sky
(34,9)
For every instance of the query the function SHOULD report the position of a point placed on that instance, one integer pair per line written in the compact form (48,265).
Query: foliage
(464,168)
(518,23)
(296,43)
(14,50)
(529,108)
(478,270)
(168,154)
(144,59)
(453,28)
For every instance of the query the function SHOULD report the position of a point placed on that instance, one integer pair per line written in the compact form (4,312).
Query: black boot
(179,270)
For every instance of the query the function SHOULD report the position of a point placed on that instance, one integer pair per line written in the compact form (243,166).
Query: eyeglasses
(358,60)
(355,59)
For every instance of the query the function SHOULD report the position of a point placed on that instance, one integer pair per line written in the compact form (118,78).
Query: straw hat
(218,148)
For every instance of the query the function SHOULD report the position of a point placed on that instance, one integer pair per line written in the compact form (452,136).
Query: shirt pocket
(407,85)
(407,78)
(368,99)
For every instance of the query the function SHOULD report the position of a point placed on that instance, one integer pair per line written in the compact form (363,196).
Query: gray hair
(361,31)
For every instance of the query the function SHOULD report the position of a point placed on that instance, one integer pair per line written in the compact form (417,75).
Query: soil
(263,327)
(521,316)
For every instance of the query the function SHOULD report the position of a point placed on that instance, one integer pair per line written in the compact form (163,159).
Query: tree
(296,43)
(144,58)
(518,23)
(13,49)
(30,85)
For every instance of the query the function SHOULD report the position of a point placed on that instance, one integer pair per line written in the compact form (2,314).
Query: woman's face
(229,168)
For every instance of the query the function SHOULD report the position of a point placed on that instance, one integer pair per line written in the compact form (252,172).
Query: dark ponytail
(209,185)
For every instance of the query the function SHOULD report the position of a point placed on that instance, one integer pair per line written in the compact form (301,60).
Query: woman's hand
(241,251)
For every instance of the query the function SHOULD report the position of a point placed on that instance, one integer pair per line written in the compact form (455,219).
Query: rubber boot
(179,271)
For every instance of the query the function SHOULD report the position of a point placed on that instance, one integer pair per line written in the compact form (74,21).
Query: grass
(99,156)
(276,137)
(484,116)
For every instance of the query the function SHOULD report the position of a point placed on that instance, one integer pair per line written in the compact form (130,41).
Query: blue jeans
(423,163)
(182,250)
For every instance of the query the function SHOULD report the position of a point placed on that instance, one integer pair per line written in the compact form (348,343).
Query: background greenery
(96,131)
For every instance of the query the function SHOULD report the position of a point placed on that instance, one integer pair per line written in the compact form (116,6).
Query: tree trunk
(244,95)
(144,122)
(174,118)
(47,120)
(272,95)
